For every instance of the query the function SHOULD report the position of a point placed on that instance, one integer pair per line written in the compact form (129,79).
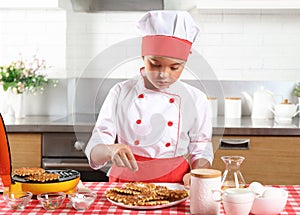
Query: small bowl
(271,204)
(82,200)
(51,200)
(18,199)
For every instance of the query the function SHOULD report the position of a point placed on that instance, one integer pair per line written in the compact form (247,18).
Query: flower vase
(18,105)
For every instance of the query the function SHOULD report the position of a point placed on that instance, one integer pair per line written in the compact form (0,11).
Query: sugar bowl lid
(286,102)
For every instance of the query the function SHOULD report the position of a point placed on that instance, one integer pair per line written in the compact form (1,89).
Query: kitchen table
(103,206)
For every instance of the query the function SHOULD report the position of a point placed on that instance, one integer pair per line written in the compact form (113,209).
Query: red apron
(153,170)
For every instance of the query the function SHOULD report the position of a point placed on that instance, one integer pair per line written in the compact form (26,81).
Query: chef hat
(167,33)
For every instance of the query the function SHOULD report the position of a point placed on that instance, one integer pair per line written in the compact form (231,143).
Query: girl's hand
(123,157)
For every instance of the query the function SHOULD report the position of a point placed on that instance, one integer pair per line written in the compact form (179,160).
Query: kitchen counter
(85,123)
(78,123)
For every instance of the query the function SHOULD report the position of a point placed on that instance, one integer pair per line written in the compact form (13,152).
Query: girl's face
(161,72)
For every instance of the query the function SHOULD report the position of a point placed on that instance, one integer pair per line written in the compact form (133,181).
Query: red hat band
(158,45)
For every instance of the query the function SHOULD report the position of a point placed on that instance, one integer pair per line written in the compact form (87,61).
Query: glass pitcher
(232,176)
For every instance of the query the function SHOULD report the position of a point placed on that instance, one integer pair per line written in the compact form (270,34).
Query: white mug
(236,201)
(232,107)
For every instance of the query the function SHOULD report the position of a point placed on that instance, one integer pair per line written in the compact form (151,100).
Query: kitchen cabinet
(25,149)
(268,160)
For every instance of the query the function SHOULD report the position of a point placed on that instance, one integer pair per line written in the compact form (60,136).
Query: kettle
(260,104)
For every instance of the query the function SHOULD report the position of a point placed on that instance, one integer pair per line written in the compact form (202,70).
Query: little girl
(162,124)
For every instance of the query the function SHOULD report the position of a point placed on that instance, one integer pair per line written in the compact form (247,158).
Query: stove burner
(64,175)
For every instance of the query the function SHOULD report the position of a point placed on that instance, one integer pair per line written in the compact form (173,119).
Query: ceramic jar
(203,183)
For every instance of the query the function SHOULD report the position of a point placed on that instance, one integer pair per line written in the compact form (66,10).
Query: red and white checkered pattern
(103,206)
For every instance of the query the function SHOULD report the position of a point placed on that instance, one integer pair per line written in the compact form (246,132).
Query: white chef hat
(169,33)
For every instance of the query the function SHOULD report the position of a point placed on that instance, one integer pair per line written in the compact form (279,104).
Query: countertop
(85,123)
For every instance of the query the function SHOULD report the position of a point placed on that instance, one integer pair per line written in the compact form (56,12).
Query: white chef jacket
(155,123)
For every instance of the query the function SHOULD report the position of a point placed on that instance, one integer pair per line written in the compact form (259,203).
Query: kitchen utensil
(232,176)
(82,200)
(272,203)
(203,181)
(18,199)
(67,182)
(5,161)
(170,186)
(51,200)
(5,164)
(285,110)
(260,104)
(237,201)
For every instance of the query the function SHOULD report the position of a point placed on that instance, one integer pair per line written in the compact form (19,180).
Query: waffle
(35,174)
(27,171)
(140,186)
(43,177)
(144,194)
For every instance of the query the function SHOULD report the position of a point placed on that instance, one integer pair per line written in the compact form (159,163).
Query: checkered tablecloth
(103,206)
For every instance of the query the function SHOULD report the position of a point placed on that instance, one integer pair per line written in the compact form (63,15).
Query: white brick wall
(237,46)
(251,46)
(34,31)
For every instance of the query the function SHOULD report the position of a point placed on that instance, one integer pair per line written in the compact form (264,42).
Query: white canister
(233,107)
(213,101)
(203,182)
